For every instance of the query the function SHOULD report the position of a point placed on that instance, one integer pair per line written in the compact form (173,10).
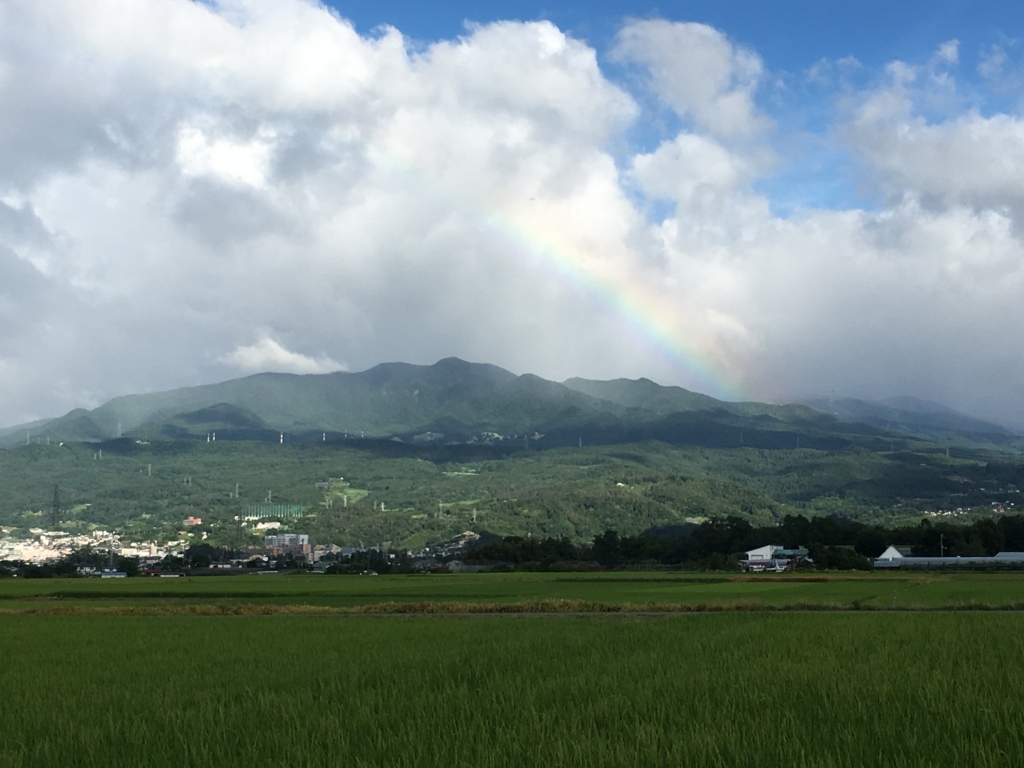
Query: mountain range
(454,401)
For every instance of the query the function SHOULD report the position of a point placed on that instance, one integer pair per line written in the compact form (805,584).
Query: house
(761,559)
(772,557)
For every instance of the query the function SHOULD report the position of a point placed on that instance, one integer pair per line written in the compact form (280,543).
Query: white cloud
(269,355)
(991,62)
(966,159)
(698,72)
(258,164)
(245,162)
(970,160)
(189,177)
(827,71)
(691,167)
(948,52)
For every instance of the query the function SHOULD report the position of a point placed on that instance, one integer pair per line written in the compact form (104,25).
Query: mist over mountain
(923,418)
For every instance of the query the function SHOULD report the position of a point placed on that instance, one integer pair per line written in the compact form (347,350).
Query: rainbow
(646,311)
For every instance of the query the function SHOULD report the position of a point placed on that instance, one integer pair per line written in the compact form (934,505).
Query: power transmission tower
(55,513)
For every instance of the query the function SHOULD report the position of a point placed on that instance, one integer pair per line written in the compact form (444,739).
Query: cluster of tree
(718,544)
(372,560)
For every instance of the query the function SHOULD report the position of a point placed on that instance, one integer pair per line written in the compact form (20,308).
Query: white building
(763,554)
(900,557)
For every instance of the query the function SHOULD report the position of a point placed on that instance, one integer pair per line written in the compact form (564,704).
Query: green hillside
(395,398)
(645,394)
(412,494)
(451,401)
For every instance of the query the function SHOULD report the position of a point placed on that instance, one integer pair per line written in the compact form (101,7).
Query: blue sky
(791,37)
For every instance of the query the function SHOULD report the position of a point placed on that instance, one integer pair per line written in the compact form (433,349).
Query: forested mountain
(454,401)
(389,399)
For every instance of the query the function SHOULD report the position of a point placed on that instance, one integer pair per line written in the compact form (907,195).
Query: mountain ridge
(458,401)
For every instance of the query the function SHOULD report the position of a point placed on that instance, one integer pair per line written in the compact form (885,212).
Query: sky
(759,201)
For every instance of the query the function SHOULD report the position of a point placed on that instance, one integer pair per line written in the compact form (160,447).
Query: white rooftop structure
(893,558)
(767,552)
(891,554)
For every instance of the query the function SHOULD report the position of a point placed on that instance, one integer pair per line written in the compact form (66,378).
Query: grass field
(642,590)
(726,689)
(117,673)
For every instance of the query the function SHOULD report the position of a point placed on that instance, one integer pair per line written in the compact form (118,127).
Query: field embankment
(608,592)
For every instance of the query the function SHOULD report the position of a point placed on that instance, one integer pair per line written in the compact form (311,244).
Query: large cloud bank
(190,192)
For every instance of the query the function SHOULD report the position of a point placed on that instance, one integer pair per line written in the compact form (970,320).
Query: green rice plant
(712,689)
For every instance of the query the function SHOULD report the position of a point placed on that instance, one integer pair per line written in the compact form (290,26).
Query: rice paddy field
(602,670)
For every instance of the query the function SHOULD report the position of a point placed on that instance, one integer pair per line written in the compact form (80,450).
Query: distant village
(294,550)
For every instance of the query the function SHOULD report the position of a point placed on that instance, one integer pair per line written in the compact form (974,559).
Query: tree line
(718,544)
